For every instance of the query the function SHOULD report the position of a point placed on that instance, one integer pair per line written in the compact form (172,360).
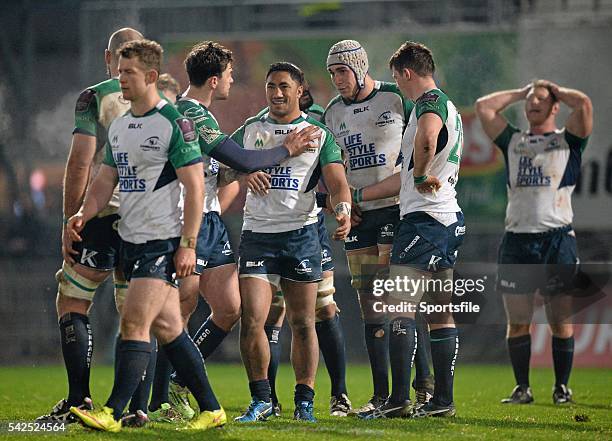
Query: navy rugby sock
(161,380)
(133,358)
(140,398)
(208,337)
(519,349)
(260,390)
(563,356)
(303,393)
(273,334)
(402,344)
(377,343)
(444,348)
(77,348)
(189,364)
(421,358)
(331,343)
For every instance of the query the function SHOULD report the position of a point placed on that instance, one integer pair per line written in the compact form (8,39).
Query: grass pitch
(26,392)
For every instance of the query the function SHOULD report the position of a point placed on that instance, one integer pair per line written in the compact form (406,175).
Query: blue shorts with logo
(546,261)
(426,244)
(293,255)
(327,262)
(376,227)
(101,243)
(213,247)
(153,260)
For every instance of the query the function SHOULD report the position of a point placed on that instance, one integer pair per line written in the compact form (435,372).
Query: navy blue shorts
(213,247)
(327,262)
(293,255)
(101,243)
(426,244)
(376,227)
(529,261)
(153,260)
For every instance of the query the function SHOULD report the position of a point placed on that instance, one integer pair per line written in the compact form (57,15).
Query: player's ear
(407,73)
(555,108)
(213,82)
(300,91)
(151,76)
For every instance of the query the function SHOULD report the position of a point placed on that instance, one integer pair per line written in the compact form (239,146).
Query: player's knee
(301,323)
(227,318)
(166,331)
(517,329)
(565,330)
(74,292)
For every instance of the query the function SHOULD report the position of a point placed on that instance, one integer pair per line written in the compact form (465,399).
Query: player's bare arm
(425,141)
(489,109)
(76,178)
(340,194)
(580,120)
(97,198)
(388,187)
(191,178)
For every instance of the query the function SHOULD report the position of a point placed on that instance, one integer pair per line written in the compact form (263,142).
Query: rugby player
(368,118)
(280,245)
(542,168)
(150,150)
(329,329)
(209,68)
(97,255)
(429,233)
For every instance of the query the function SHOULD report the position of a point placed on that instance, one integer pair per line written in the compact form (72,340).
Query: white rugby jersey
(541,173)
(146,150)
(445,164)
(290,203)
(370,134)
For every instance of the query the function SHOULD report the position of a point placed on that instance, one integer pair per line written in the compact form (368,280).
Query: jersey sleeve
(184,148)
(432,102)
(576,142)
(86,113)
(238,136)
(108,156)
(330,150)
(209,133)
(504,138)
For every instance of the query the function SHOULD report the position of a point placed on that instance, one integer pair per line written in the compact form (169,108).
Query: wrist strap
(357,195)
(420,179)
(188,242)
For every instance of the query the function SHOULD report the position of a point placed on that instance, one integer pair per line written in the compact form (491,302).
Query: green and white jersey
(96,108)
(370,134)
(541,173)
(290,203)
(146,150)
(445,164)
(210,136)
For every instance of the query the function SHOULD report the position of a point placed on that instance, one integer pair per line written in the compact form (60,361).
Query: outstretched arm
(489,109)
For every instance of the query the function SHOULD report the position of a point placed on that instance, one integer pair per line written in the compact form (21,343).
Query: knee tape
(362,267)
(72,284)
(278,300)
(121,287)
(325,293)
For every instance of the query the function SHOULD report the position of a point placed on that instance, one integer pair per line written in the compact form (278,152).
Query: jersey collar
(299,119)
